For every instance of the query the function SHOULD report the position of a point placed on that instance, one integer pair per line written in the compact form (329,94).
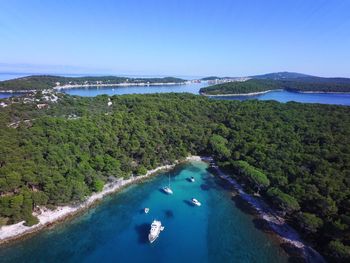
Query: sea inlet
(116,230)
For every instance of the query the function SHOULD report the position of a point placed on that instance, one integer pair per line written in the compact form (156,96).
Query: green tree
(218,146)
(309,222)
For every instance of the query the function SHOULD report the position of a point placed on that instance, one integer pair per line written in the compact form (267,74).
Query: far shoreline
(267,91)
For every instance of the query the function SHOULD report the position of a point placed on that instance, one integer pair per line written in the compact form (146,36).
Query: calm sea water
(116,230)
(94,91)
(281,96)
(286,96)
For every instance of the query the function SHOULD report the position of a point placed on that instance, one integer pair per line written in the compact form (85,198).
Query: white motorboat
(192,179)
(156,227)
(146,210)
(195,202)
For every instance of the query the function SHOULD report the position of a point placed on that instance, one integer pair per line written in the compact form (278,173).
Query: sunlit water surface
(116,230)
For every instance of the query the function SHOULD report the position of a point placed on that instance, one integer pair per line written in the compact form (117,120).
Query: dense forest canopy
(46,82)
(295,155)
(297,85)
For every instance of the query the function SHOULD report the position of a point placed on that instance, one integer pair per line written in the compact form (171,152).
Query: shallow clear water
(116,230)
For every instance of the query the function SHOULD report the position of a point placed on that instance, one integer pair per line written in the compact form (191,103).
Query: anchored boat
(156,227)
(167,189)
(195,202)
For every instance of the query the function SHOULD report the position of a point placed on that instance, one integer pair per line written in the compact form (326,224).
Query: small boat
(146,210)
(156,227)
(195,202)
(192,179)
(167,190)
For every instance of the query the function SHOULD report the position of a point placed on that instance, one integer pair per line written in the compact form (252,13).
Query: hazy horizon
(186,38)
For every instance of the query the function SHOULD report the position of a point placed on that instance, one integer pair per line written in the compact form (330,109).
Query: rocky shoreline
(285,233)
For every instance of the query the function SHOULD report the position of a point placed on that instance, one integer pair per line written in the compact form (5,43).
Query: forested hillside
(297,156)
(46,82)
(297,85)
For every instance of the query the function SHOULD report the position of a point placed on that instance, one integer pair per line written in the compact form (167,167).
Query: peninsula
(294,82)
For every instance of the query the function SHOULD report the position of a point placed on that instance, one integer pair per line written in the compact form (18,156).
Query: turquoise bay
(116,229)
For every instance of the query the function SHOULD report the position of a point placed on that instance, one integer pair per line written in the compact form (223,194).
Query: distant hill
(41,82)
(293,76)
(281,76)
(210,78)
(261,85)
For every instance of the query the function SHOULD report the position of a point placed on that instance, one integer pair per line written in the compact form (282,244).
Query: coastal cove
(118,225)
(49,217)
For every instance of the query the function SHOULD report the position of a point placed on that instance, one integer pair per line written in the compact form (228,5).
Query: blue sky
(188,37)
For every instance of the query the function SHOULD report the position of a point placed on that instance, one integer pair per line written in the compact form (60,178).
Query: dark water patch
(142,211)
(177,170)
(243,205)
(194,169)
(262,225)
(169,213)
(188,202)
(142,231)
(223,185)
(211,170)
(211,183)
(205,187)
(296,254)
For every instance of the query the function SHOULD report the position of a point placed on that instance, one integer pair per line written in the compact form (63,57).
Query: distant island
(295,82)
(42,82)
